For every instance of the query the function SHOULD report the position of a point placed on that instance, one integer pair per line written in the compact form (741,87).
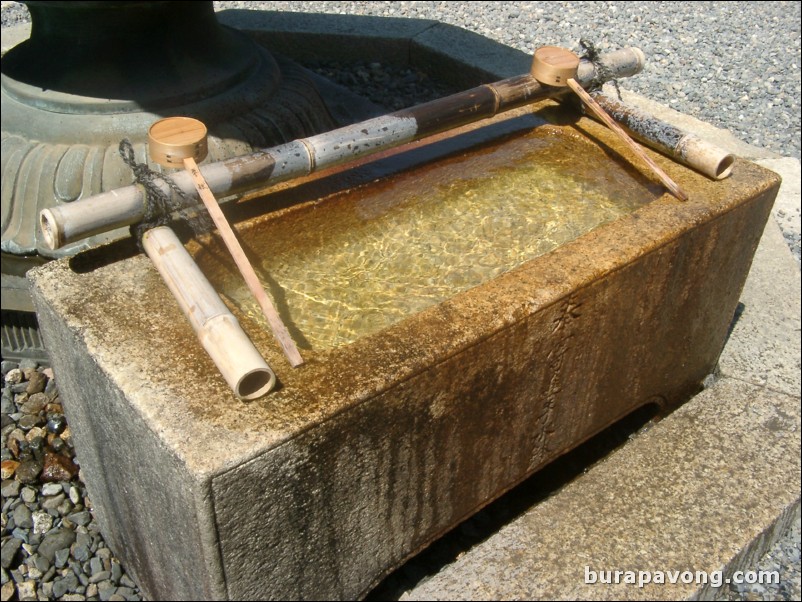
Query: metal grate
(21,338)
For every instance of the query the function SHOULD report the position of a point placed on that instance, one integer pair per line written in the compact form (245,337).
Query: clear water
(359,261)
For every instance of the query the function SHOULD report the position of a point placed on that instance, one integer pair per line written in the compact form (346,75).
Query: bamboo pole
(181,140)
(235,356)
(71,222)
(706,158)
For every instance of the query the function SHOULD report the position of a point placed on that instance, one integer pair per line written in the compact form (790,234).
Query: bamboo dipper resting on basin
(177,142)
(235,356)
(557,67)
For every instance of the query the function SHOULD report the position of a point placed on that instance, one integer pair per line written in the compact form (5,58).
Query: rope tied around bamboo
(160,207)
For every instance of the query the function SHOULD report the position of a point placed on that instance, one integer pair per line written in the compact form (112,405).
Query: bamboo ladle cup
(555,66)
(180,142)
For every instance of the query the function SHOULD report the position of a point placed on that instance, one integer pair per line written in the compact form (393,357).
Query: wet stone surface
(52,548)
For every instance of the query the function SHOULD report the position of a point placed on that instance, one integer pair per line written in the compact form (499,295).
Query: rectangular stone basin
(468,309)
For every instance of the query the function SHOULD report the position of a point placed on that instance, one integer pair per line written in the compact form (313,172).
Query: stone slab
(764,345)
(709,488)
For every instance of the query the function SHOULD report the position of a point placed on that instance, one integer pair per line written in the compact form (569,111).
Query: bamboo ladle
(555,66)
(179,142)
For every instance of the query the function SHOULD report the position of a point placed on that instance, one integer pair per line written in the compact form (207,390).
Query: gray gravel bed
(734,65)
(52,548)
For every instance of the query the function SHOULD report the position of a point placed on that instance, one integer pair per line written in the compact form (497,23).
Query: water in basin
(363,259)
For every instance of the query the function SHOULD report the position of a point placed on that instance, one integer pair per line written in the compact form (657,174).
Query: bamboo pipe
(179,141)
(69,223)
(238,361)
(687,148)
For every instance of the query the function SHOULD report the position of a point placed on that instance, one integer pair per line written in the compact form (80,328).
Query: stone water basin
(465,321)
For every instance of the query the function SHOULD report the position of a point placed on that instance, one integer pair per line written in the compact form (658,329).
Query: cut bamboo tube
(670,184)
(71,222)
(235,356)
(182,139)
(706,158)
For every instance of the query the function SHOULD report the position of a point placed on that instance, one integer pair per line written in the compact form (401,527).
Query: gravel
(51,545)
(732,64)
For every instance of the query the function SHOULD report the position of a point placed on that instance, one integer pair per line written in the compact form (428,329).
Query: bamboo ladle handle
(178,141)
(556,66)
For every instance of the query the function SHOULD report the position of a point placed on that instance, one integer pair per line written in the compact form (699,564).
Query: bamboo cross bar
(107,211)
(179,141)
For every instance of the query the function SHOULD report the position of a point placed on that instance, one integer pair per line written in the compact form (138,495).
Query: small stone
(98,577)
(14,377)
(35,404)
(75,495)
(8,468)
(8,551)
(91,590)
(96,565)
(52,503)
(28,495)
(42,522)
(106,591)
(49,489)
(21,534)
(10,489)
(81,518)
(36,383)
(34,573)
(27,590)
(14,439)
(28,364)
(51,390)
(54,541)
(80,552)
(41,563)
(116,571)
(126,592)
(60,587)
(126,581)
(28,471)
(56,423)
(7,405)
(36,432)
(57,444)
(7,590)
(61,558)
(65,508)
(115,597)
(47,590)
(22,517)
(73,598)
(58,468)
(29,421)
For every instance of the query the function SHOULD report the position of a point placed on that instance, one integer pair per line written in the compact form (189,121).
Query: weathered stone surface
(674,487)
(373,449)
